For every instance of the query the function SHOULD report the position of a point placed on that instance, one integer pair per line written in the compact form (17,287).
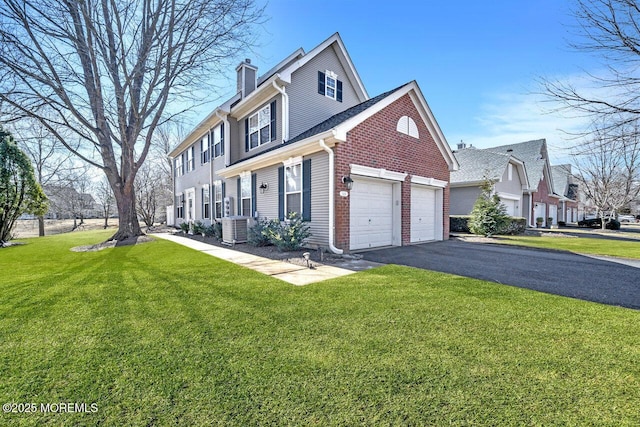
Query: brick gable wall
(376,143)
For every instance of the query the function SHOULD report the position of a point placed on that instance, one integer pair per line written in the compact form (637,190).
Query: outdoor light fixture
(346,180)
(263,187)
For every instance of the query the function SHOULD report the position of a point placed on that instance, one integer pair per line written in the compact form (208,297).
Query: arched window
(407,126)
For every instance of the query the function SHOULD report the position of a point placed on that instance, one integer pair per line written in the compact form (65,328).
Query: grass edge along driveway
(580,245)
(159,334)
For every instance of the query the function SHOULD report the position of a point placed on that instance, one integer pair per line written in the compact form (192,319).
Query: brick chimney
(247,77)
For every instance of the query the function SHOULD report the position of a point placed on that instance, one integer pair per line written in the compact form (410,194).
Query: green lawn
(585,245)
(160,335)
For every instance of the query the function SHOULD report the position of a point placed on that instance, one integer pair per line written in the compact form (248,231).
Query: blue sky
(477,63)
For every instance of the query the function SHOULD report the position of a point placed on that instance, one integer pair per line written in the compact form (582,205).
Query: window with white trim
(204,149)
(260,127)
(245,194)
(205,201)
(218,150)
(191,165)
(180,206)
(330,85)
(510,172)
(407,126)
(217,198)
(293,189)
(179,168)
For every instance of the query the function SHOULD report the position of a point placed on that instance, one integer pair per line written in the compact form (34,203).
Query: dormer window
(329,85)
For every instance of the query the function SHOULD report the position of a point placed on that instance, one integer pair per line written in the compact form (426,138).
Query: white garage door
(423,214)
(510,205)
(540,211)
(371,216)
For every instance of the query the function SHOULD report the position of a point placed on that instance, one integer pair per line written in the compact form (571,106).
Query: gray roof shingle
(532,153)
(478,165)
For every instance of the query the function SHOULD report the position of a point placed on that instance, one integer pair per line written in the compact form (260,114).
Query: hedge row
(460,224)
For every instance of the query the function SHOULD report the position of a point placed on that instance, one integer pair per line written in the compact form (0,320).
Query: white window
(245,194)
(205,201)
(330,85)
(407,126)
(293,189)
(218,149)
(510,172)
(204,150)
(190,161)
(179,168)
(218,199)
(180,206)
(260,127)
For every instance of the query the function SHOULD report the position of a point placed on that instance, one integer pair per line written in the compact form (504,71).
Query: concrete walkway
(291,273)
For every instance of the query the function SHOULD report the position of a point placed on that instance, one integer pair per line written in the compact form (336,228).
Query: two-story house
(305,137)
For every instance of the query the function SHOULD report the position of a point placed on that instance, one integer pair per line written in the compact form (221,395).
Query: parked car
(626,218)
(593,222)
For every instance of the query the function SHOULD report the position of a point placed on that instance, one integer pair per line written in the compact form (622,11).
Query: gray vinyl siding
(238,138)
(307,107)
(319,199)
(268,202)
(462,199)
(514,186)
(194,179)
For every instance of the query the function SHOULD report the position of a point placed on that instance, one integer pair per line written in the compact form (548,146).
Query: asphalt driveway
(559,273)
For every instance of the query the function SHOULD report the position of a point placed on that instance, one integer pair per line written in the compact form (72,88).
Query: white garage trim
(377,173)
(426,213)
(416,179)
(375,213)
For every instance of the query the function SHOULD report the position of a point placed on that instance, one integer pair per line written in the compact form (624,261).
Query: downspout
(227,134)
(285,112)
(332,192)
(530,214)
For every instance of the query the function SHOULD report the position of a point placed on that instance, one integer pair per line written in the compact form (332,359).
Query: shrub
(489,215)
(514,225)
(217,230)
(289,235)
(198,227)
(209,231)
(459,223)
(184,227)
(258,233)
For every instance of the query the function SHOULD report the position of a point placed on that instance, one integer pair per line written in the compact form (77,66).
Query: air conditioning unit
(234,230)
(227,207)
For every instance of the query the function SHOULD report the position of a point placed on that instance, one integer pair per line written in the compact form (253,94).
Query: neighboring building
(65,202)
(507,173)
(539,199)
(570,209)
(305,137)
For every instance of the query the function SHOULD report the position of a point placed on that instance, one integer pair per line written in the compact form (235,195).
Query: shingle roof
(330,123)
(532,153)
(561,179)
(477,165)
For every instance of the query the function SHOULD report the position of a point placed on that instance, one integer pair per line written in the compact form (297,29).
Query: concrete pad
(287,272)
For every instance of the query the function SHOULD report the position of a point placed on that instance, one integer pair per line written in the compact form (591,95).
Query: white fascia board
(270,158)
(256,98)
(377,173)
(344,57)
(431,182)
(509,196)
(425,113)
(205,125)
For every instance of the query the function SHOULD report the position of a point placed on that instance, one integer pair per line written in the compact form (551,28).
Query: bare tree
(49,157)
(609,174)
(109,69)
(610,29)
(105,199)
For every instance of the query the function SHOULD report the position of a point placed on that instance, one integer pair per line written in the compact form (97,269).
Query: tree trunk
(106,221)
(41,225)
(128,225)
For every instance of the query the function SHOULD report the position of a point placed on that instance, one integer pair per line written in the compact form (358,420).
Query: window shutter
(254,200)
(273,120)
(306,190)
(281,193)
(339,91)
(239,197)
(184,158)
(224,190)
(321,89)
(222,138)
(246,135)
